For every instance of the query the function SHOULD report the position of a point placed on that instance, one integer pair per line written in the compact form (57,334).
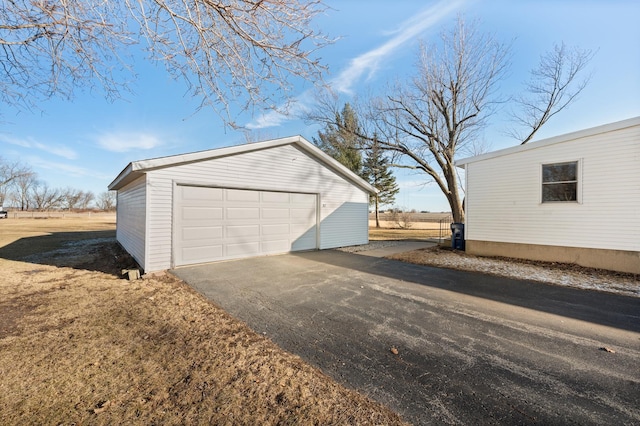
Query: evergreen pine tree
(376,170)
(339,140)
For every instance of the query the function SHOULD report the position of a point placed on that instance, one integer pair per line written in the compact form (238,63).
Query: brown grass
(377,234)
(80,345)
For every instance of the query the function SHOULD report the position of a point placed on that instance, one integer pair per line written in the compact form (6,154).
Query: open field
(416,234)
(79,345)
(434,225)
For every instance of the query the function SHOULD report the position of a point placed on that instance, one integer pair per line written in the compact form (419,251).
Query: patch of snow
(373,245)
(585,278)
(69,248)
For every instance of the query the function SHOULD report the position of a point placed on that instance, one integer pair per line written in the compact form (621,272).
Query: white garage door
(218,223)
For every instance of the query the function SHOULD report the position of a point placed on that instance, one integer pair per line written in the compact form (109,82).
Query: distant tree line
(20,188)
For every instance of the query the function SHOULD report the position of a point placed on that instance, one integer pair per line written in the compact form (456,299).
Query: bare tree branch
(553,86)
(246,52)
(444,107)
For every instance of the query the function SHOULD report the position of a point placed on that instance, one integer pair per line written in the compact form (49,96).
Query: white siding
(504,195)
(346,225)
(131,213)
(282,168)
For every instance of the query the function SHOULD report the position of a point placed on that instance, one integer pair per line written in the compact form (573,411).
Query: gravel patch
(552,273)
(373,245)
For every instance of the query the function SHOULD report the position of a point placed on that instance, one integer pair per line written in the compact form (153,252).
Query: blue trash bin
(457,236)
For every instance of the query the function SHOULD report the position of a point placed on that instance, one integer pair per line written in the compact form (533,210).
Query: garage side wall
(343,207)
(131,216)
(504,196)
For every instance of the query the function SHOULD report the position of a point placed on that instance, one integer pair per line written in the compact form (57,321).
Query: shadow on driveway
(602,308)
(471,348)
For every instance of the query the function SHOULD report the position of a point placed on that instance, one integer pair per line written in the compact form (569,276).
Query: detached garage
(257,199)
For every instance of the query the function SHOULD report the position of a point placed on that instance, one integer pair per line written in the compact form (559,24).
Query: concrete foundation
(614,260)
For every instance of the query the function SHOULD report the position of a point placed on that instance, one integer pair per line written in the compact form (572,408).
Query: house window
(560,182)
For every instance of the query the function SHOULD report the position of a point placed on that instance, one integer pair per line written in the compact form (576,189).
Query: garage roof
(136,169)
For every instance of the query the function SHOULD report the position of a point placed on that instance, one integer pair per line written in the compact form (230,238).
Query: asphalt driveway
(472,348)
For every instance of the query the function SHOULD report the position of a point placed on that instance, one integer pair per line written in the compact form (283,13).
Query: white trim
(318,220)
(579,182)
(241,187)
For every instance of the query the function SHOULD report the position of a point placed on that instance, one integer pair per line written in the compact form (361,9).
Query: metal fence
(432,225)
(19,214)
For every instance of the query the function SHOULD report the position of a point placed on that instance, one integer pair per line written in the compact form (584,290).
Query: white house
(256,199)
(573,198)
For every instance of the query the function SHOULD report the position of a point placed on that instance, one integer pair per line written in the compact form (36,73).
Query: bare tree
(45,198)
(249,51)
(553,86)
(23,187)
(443,109)
(106,201)
(85,199)
(70,198)
(9,173)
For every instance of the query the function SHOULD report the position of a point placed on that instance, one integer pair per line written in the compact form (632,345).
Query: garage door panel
(274,213)
(234,231)
(306,200)
(217,224)
(243,249)
(243,213)
(306,241)
(242,195)
(276,246)
(202,233)
(275,197)
(275,229)
(301,228)
(202,254)
(199,194)
(202,213)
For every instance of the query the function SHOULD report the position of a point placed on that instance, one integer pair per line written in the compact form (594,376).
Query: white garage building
(262,198)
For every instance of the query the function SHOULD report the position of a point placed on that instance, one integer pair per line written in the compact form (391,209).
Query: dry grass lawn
(79,345)
(379,234)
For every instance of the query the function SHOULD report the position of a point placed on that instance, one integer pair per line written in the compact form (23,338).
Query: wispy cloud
(125,142)
(365,65)
(58,150)
(407,31)
(68,169)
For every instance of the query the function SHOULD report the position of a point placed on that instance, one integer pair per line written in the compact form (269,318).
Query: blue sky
(84,143)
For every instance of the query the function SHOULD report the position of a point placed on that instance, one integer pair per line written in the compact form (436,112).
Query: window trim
(578,181)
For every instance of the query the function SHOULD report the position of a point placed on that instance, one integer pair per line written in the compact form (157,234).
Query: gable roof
(618,125)
(135,169)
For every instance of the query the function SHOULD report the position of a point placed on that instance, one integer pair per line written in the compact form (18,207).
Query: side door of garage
(212,224)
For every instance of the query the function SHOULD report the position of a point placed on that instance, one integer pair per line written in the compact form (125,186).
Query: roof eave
(137,168)
(605,128)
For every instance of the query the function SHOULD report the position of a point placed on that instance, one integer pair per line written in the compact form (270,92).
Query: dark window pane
(560,192)
(561,172)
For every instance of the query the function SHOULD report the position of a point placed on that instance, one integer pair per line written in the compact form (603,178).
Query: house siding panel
(504,192)
(284,168)
(131,214)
